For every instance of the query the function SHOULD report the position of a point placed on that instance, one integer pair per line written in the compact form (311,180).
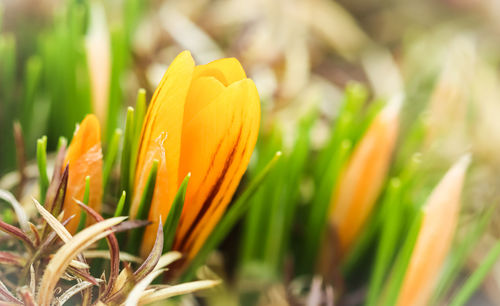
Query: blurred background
(62,59)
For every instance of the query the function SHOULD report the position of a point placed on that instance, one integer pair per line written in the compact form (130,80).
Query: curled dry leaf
(10,258)
(72,291)
(6,295)
(55,202)
(140,287)
(32,279)
(34,231)
(154,256)
(27,296)
(129,225)
(171,291)
(168,258)
(114,249)
(66,253)
(105,254)
(18,209)
(78,264)
(17,233)
(61,231)
(124,284)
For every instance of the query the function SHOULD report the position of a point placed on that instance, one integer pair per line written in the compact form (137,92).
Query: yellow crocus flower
(202,120)
(362,178)
(84,157)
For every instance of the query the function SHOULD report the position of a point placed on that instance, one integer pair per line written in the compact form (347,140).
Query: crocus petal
(362,179)
(216,148)
(163,122)
(203,91)
(226,70)
(84,157)
(435,237)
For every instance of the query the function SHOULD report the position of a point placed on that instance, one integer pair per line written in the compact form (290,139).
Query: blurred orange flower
(84,157)
(436,233)
(362,179)
(202,120)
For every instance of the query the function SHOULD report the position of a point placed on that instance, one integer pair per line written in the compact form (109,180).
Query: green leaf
(320,206)
(41,156)
(110,157)
(86,195)
(120,59)
(31,83)
(251,247)
(475,280)
(174,215)
(395,281)
(125,158)
(120,205)
(135,237)
(283,184)
(234,213)
(458,256)
(386,248)
(140,112)
(63,141)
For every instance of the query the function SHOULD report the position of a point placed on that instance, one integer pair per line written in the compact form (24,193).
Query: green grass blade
(251,249)
(393,285)
(120,59)
(120,205)
(86,196)
(174,215)
(63,141)
(135,237)
(291,172)
(31,83)
(475,280)
(320,207)
(458,256)
(140,112)
(41,156)
(388,241)
(125,158)
(110,157)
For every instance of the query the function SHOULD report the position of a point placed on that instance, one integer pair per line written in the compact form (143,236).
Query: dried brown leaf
(17,233)
(67,252)
(6,295)
(34,231)
(130,224)
(73,290)
(154,256)
(140,287)
(10,258)
(105,254)
(55,205)
(22,218)
(114,249)
(57,175)
(27,296)
(60,230)
(32,279)
(168,258)
(125,282)
(171,291)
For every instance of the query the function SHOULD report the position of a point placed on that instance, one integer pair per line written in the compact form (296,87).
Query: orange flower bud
(84,157)
(435,237)
(202,120)
(361,181)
